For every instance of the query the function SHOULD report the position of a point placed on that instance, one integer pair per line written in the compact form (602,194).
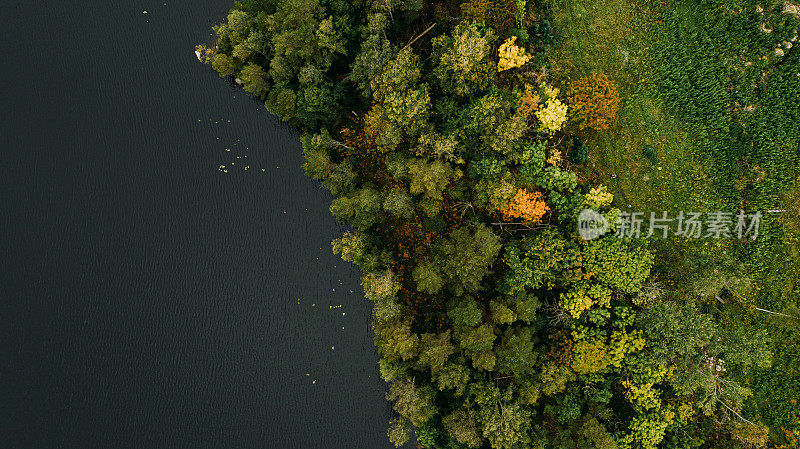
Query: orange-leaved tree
(528,102)
(792,436)
(594,101)
(529,206)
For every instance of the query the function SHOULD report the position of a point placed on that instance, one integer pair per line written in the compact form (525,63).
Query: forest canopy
(453,148)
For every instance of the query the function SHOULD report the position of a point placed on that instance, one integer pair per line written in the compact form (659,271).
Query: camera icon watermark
(592,224)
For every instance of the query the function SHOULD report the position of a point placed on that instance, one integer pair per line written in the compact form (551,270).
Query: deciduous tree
(464,59)
(467,256)
(617,265)
(528,206)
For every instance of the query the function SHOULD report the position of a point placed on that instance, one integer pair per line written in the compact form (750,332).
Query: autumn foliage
(594,101)
(476,10)
(562,348)
(504,335)
(528,102)
(792,436)
(498,14)
(528,206)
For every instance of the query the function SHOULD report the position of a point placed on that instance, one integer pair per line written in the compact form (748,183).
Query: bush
(580,151)
(650,154)
(594,101)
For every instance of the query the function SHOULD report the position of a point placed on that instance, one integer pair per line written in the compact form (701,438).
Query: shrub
(594,101)
(650,154)
(580,151)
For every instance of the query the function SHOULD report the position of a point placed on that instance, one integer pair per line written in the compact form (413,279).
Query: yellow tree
(512,56)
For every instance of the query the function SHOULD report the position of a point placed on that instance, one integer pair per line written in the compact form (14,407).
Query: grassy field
(703,90)
(610,37)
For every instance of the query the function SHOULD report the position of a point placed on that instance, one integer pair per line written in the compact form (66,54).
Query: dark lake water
(147,298)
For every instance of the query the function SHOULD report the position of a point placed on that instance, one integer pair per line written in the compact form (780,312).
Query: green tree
(516,354)
(501,314)
(239,23)
(395,339)
(350,246)
(478,343)
(435,350)
(598,435)
(542,259)
(462,426)
(427,277)
(467,256)
(399,431)
(465,59)
(452,376)
(254,79)
(464,312)
(494,193)
(380,286)
(223,64)
(402,101)
(282,102)
(525,306)
(376,52)
(316,161)
(676,331)
(507,138)
(617,265)
(342,179)
(413,402)
(747,346)
(485,114)
(295,39)
(430,179)
(398,203)
(506,426)
(360,209)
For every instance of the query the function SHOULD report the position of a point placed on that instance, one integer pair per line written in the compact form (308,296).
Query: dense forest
(462,141)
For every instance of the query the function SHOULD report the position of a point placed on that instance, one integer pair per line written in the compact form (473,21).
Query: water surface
(148,299)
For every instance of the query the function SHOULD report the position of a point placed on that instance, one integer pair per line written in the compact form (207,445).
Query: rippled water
(149,299)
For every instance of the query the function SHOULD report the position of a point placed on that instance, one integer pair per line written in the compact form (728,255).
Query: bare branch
(775,313)
(734,412)
(418,37)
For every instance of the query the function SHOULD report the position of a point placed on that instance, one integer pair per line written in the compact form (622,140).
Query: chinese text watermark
(662,225)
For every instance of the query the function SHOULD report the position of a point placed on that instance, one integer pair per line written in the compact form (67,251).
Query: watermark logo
(690,225)
(592,224)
